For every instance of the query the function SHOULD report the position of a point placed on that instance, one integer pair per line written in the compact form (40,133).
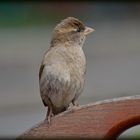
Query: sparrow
(63,68)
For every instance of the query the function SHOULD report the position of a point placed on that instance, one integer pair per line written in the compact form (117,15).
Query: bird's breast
(75,59)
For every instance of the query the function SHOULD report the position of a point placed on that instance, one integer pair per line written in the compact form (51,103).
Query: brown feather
(41,70)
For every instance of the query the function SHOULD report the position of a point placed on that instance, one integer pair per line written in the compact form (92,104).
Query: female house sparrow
(62,72)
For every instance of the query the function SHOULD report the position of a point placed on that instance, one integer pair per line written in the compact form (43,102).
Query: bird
(63,68)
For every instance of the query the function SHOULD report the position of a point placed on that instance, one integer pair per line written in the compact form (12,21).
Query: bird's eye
(78,30)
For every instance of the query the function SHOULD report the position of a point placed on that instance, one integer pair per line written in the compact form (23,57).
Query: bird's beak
(88,30)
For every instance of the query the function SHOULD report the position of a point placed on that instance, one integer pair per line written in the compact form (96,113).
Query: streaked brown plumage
(61,75)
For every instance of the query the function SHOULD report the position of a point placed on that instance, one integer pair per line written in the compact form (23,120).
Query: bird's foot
(75,104)
(49,119)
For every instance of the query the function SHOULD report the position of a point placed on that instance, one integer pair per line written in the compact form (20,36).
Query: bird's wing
(40,73)
(41,70)
(52,76)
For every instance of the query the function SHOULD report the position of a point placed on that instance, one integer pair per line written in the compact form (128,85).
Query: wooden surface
(105,119)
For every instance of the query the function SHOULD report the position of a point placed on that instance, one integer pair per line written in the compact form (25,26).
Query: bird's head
(70,31)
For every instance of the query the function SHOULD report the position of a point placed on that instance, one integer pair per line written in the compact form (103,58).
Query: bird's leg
(49,114)
(75,104)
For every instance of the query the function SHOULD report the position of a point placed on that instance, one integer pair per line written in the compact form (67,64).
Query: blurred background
(112,51)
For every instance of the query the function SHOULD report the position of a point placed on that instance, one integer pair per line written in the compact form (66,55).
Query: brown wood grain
(105,119)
